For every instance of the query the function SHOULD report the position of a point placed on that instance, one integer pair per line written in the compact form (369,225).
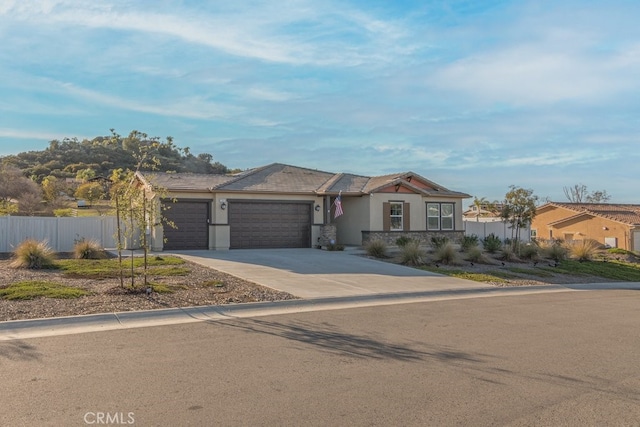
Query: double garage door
(253,225)
(257,224)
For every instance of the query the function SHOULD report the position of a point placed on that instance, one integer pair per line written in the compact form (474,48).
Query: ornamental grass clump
(376,248)
(553,250)
(475,254)
(88,249)
(584,250)
(33,254)
(446,254)
(412,254)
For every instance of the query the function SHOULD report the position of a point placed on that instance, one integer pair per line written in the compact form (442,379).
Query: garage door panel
(269,224)
(192,230)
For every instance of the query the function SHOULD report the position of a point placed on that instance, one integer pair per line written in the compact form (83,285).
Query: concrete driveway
(313,273)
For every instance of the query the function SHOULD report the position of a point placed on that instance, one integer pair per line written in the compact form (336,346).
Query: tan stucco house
(616,225)
(283,206)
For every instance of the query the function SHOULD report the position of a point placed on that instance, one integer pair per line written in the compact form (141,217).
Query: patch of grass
(530,271)
(109,269)
(461,274)
(163,288)
(31,289)
(614,270)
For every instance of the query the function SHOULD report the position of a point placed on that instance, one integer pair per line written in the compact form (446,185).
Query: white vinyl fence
(60,233)
(499,228)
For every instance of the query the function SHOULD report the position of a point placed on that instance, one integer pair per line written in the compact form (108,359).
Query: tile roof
(278,178)
(185,181)
(624,213)
(281,178)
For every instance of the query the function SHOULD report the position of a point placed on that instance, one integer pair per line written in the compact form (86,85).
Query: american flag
(338,204)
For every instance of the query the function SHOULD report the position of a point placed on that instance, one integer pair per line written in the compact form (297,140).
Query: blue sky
(473,95)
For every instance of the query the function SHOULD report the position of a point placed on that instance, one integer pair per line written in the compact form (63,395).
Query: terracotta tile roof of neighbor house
(624,213)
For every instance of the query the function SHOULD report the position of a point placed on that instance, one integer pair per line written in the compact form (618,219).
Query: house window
(396,216)
(440,216)
(534,233)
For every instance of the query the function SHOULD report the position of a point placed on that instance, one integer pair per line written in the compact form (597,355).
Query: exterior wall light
(223,204)
(317,208)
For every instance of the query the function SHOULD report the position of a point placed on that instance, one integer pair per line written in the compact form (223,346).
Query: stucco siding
(355,219)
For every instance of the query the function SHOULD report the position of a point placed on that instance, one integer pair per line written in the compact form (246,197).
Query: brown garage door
(192,230)
(256,225)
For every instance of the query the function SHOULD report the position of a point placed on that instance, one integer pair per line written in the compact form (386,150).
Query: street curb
(32,328)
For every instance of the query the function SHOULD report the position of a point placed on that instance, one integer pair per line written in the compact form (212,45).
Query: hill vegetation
(44,182)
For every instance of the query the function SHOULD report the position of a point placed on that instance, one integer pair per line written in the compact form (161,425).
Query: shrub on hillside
(403,240)
(88,249)
(529,251)
(554,250)
(376,248)
(468,242)
(33,254)
(492,243)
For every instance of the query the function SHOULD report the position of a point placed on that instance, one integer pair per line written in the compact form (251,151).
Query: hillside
(103,154)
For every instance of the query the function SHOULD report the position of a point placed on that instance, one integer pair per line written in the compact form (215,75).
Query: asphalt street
(563,358)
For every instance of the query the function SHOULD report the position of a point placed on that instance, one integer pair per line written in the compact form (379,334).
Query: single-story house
(283,206)
(616,225)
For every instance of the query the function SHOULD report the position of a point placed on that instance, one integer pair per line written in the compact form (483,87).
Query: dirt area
(202,286)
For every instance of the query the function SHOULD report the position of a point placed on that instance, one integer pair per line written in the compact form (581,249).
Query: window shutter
(386,216)
(405,217)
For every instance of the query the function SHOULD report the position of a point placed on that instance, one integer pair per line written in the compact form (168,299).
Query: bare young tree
(579,193)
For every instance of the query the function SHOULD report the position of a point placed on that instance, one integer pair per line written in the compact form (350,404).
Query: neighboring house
(282,206)
(616,225)
(486,213)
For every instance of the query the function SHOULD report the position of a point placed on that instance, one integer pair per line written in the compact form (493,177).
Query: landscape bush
(554,250)
(33,254)
(492,243)
(584,250)
(88,249)
(64,212)
(468,242)
(446,254)
(403,240)
(376,248)
(335,247)
(412,254)
(439,241)
(475,254)
(529,251)
(507,253)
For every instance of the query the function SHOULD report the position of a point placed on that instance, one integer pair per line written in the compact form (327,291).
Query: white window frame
(396,216)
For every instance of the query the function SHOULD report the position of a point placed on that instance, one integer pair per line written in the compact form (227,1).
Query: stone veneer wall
(328,233)
(390,237)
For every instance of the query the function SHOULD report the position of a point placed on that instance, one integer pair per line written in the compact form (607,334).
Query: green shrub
(446,254)
(492,243)
(88,249)
(376,248)
(529,251)
(584,250)
(619,251)
(403,240)
(468,242)
(439,241)
(412,254)
(33,254)
(555,251)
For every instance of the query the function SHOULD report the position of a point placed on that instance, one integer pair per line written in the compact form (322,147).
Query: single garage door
(192,229)
(261,225)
